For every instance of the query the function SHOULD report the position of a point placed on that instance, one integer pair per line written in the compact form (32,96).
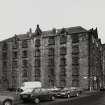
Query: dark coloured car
(67,92)
(38,94)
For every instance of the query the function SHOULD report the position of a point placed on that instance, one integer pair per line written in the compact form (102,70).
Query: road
(93,99)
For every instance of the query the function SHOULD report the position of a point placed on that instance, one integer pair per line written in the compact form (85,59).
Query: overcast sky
(17,16)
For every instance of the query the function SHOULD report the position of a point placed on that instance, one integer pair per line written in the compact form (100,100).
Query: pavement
(87,94)
(90,92)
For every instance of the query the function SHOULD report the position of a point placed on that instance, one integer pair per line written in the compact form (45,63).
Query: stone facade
(95,59)
(103,62)
(59,57)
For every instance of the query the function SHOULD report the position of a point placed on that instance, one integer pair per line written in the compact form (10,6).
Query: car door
(71,93)
(36,92)
(44,94)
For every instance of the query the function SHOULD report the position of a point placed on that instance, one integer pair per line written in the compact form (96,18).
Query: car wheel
(36,100)
(77,94)
(7,102)
(52,98)
(68,96)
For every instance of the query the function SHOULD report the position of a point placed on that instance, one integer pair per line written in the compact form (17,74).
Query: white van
(29,86)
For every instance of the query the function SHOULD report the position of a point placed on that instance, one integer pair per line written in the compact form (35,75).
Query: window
(63,31)
(14,73)
(25,63)
(37,74)
(75,70)
(62,82)
(36,91)
(75,60)
(51,82)
(15,45)
(15,55)
(63,51)
(51,71)
(4,47)
(4,63)
(4,66)
(14,82)
(75,49)
(4,55)
(51,40)
(24,54)
(63,39)
(14,64)
(37,62)
(51,52)
(37,43)
(63,61)
(24,44)
(37,53)
(62,72)
(75,83)
(51,62)
(75,38)
(25,73)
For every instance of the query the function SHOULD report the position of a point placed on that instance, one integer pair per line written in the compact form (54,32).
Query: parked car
(67,92)
(8,100)
(37,95)
(102,89)
(78,89)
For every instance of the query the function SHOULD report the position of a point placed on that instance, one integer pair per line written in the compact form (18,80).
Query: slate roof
(69,30)
(77,29)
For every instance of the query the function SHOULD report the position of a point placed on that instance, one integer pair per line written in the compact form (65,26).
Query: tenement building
(58,58)
(103,62)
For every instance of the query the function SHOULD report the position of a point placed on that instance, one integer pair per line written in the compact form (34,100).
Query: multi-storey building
(103,62)
(95,60)
(59,57)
